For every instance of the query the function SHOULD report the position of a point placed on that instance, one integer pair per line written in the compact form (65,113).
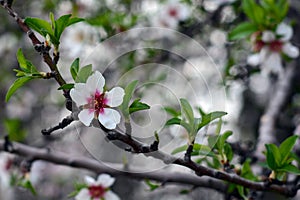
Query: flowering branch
(38,46)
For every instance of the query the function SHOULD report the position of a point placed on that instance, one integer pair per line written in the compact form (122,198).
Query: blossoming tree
(145,94)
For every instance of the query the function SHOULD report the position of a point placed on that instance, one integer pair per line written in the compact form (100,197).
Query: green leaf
(290,169)
(228,152)
(15,130)
(273,156)
(39,25)
(286,147)
(254,12)
(126,99)
(25,65)
(172,111)
(206,119)
(16,85)
(242,31)
(199,148)
(137,106)
(51,16)
(67,86)
(74,20)
(222,139)
(152,186)
(60,25)
(84,73)
(27,184)
(74,68)
(187,110)
(173,121)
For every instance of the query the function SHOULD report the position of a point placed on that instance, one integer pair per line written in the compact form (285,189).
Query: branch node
(8,146)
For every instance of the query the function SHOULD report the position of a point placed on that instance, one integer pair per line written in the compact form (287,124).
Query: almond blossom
(270,46)
(97,189)
(96,103)
(171,14)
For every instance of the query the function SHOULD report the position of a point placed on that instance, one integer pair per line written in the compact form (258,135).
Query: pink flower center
(276,46)
(258,45)
(97,103)
(173,12)
(96,191)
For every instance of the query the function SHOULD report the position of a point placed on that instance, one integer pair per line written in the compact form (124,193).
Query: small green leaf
(16,85)
(15,130)
(74,68)
(39,25)
(67,86)
(290,169)
(84,73)
(27,184)
(187,110)
(152,186)
(173,121)
(242,31)
(172,111)
(25,65)
(74,20)
(286,147)
(228,152)
(222,139)
(60,25)
(137,106)
(206,119)
(273,156)
(126,99)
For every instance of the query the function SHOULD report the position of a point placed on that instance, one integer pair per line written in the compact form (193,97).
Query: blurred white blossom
(270,47)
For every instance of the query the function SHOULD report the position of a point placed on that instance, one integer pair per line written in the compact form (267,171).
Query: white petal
(86,116)
(89,180)
(109,195)
(290,50)
(95,82)
(273,62)
(83,195)
(254,59)
(115,97)
(109,118)
(285,31)
(105,180)
(268,36)
(79,94)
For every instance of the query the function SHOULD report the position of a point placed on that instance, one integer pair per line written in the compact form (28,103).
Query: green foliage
(28,72)
(15,130)
(265,15)
(54,28)
(242,31)
(279,159)
(78,187)
(25,183)
(137,106)
(84,73)
(198,149)
(187,120)
(67,86)
(152,186)
(74,68)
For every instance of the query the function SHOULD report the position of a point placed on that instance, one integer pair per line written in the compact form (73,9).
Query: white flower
(97,103)
(170,14)
(97,190)
(271,49)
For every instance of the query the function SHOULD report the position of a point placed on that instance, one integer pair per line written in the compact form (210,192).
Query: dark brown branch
(200,170)
(117,170)
(64,123)
(38,46)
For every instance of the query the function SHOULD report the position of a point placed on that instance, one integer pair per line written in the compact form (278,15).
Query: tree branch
(99,167)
